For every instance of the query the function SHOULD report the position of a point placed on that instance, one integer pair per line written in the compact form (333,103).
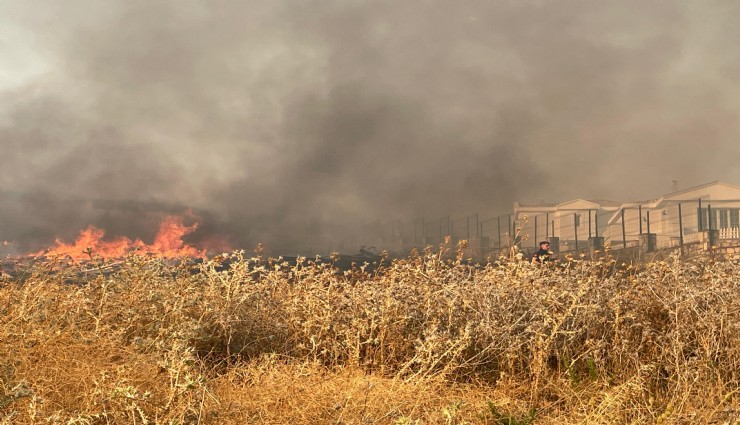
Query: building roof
(585,204)
(534,204)
(604,204)
(578,204)
(701,186)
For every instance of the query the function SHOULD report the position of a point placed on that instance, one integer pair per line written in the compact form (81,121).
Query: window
(721,218)
(735,218)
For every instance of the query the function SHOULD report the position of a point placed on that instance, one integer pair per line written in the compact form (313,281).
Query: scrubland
(419,340)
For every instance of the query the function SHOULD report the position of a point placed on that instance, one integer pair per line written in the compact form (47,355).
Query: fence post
(639,212)
(589,224)
(709,216)
(535,229)
(680,226)
(624,232)
(648,221)
(498,223)
(575,228)
(513,231)
(547,224)
(596,223)
(699,217)
(511,235)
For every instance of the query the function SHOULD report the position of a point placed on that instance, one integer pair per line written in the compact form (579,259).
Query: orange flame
(167,244)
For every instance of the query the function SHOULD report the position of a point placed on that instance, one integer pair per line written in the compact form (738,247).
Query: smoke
(293,123)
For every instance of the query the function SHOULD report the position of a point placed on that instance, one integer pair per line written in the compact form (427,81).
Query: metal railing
(729,233)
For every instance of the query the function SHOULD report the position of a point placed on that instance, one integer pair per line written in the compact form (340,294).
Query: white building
(672,218)
(676,215)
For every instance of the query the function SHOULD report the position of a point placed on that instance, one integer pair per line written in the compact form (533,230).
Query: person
(544,254)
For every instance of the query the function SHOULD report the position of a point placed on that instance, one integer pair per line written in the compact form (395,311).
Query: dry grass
(421,341)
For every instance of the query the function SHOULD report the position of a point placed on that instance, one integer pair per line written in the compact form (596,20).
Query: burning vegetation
(168,243)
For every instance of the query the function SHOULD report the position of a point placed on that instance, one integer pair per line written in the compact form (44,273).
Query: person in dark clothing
(543,255)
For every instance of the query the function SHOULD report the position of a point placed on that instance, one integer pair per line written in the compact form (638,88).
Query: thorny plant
(588,341)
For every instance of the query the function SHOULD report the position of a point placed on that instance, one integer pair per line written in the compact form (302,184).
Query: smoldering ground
(293,123)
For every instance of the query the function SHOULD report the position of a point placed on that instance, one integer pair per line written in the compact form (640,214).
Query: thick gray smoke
(293,123)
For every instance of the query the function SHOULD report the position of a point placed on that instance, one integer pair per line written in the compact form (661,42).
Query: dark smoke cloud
(293,123)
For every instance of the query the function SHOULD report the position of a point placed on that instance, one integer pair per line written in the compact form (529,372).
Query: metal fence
(483,235)
(668,224)
(677,223)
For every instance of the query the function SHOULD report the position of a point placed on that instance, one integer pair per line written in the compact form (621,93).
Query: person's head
(545,245)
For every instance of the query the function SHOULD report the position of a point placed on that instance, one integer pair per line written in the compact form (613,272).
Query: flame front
(167,243)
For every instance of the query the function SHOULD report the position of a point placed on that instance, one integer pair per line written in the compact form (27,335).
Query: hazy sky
(288,117)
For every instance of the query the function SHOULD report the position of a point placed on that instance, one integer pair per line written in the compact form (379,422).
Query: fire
(167,243)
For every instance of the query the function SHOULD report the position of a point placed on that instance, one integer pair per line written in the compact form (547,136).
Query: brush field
(420,340)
